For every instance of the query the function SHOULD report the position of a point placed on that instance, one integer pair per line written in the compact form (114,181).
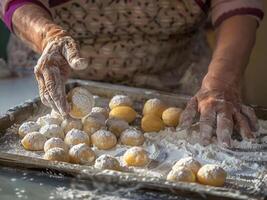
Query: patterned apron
(145,43)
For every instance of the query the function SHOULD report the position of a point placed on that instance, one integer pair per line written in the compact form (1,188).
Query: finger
(189,114)
(224,127)
(56,88)
(41,86)
(243,126)
(71,53)
(251,116)
(207,123)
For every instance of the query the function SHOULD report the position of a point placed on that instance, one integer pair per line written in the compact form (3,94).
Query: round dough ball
(103,139)
(100,110)
(171,116)
(75,136)
(33,141)
(136,156)
(55,142)
(81,102)
(188,162)
(116,126)
(71,123)
(154,107)
(132,137)
(120,100)
(56,154)
(125,113)
(48,120)
(151,123)
(92,124)
(52,130)
(107,162)
(82,154)
(28,127)
(181,174)
(211,174)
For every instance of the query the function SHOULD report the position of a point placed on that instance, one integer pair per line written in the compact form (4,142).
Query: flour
(121,100)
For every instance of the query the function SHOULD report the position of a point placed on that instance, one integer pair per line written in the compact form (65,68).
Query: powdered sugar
(121,100)
(106,162)
(28,127)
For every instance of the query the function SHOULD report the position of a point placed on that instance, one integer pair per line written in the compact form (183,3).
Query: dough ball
(116,126)
(82,154)
(55,142)
(125,113)
(120,100)
(151,123)
(81,102)
(48,120)
(171,116)
(52,130)
(181,174)
(211,174)
(154,107)
(107,162)
(100,110)
(33,141)
(75,136)
(71,123)
(136,156)
(56,154)
(103,139)
(188,162)
(132,137)
(28,127)
(92,124)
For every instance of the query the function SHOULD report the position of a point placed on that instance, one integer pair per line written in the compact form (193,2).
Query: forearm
(235,40)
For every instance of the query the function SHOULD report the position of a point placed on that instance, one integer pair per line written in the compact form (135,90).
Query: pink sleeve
(224,9)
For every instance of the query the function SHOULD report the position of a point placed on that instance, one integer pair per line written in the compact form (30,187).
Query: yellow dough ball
(211,174)
(171,116)
(136,156)
(152,123)
(33,141)
(48,120)
(116,126)
(181,174)
(154,107)
(75,136)
(82,154)
(81,102)
(132,137)
(28,127)
(55,142)
(71,123)
(120,100)
(107,162)
(56,154)
(124,113)
(92,124)
(100,110)
(104,139)
(52,130)
(188,162)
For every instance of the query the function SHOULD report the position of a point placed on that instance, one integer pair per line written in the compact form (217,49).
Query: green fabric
(4,36)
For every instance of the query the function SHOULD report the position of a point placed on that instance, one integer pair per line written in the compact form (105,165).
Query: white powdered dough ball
(33,141)
(71,123)
(55,142)
(188,162)
(107,162)
(100,110)
(75,136)
(132,137)
(48,119)
(116,126)
(56,154)
(82,154)
(52,130)
(28,127)
(103,139)
(136,156)
(181,174)
(92,123)
(120,100)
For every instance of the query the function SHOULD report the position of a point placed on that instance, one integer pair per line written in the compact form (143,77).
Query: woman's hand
(221,111)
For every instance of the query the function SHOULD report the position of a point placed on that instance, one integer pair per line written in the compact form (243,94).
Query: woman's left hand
(221,110)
